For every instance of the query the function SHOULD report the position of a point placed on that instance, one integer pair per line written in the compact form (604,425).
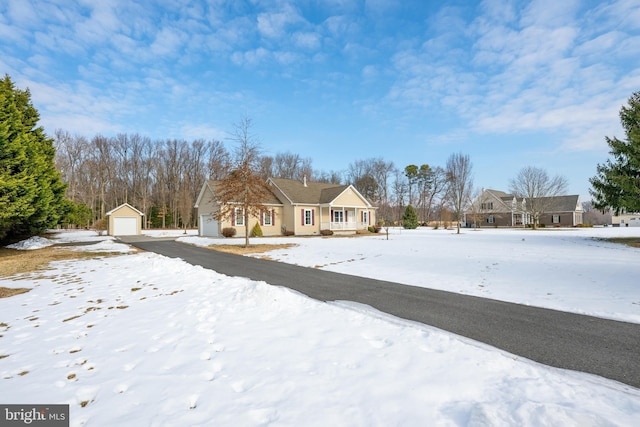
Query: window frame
(238,216)
(308,217)
(267,218)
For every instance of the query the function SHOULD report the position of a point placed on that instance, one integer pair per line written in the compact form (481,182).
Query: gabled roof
(214,185)
(553,204)
(122,206)
(562,203)
(312,193)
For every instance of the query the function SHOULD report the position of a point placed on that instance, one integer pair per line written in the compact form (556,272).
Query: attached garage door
(208,226)
(124,226)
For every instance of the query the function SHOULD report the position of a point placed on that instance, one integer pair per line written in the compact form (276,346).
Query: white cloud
(274,24)
(535,72)
(307,40)
(168,42)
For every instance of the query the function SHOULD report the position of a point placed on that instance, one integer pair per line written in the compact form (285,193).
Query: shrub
(256,231)
(100,226)
(287,233)
(326,232)
(410,218)
(228,231)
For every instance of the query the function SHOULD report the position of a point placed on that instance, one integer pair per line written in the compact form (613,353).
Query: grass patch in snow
(9,292)
(634,242)
(251,249)
(13,261)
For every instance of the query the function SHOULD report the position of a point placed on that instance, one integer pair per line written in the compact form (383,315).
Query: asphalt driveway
(602,347)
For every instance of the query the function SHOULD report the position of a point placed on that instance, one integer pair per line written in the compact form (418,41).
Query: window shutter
(273,217)
(313,221)
(233,217)
(261,217)
(302,215)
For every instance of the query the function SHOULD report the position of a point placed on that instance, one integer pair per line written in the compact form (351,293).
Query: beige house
(298,207)
(498,209)
(125,220)
(626,220)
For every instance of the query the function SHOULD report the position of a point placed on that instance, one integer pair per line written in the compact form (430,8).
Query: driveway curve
(603,347)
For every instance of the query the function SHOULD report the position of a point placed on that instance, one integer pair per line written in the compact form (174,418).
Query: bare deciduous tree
(244,189)
(459,184)
(538,189)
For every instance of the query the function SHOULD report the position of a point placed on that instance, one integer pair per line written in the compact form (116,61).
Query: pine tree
(31,192)
(617,183)
(410,218)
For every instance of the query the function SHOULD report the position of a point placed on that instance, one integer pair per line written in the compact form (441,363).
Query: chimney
(304,180)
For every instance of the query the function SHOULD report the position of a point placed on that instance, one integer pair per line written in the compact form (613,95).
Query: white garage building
(125,220)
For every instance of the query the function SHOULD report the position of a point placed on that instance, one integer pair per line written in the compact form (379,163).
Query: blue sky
(510,83)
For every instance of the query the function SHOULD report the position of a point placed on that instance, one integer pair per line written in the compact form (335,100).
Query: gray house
(499,209)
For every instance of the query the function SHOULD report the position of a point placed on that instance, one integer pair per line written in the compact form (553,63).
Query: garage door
(208,226)
(125,226)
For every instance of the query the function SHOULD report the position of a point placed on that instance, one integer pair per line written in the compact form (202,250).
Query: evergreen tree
(410,218)
(31,192)
(617,183)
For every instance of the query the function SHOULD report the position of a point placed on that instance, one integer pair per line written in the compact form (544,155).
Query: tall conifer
(31,192)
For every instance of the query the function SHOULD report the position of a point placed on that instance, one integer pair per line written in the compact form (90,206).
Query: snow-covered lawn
(565,269)
(139,339)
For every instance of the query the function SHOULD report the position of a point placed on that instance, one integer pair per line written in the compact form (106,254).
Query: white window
(338,216)
(266,218)
(308,217)
(555,219)
(238,216)
(491,219)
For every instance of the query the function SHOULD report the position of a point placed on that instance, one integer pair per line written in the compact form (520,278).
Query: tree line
(162,178)
(75,180)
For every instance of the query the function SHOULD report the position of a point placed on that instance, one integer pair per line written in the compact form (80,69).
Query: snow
(140,339)
(565,269)
(32,243)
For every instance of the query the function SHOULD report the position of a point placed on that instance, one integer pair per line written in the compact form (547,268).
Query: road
(607,348)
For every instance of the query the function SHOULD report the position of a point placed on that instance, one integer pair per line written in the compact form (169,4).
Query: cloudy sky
(510,83)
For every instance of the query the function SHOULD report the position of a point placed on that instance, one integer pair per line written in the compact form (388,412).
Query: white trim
(122,206)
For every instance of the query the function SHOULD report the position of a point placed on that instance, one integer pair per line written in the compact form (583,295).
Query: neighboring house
(125,220)
(499,209)
(299,207)
(626,220)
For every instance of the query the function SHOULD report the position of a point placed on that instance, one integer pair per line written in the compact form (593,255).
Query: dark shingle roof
(313,193)
(560,203)
(272,199)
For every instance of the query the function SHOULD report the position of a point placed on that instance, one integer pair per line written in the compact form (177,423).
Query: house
(313,206)
(499,209)
(125,220)
(298,207)
(208,207)
(626,220)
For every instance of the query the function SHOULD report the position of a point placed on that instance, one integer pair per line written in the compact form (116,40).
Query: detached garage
(125,220)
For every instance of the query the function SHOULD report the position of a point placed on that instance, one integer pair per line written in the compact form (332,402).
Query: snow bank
(34,242)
